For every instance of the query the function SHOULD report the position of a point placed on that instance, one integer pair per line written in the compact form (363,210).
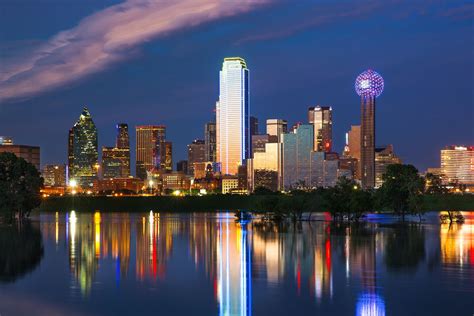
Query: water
(207,264)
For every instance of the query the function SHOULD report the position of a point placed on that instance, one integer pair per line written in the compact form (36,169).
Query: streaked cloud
(107,37)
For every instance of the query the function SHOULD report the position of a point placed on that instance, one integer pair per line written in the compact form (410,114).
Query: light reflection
(457,242)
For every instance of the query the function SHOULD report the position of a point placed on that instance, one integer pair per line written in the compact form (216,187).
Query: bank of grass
(220,202)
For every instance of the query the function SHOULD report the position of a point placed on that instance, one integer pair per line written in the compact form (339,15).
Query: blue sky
(157,62)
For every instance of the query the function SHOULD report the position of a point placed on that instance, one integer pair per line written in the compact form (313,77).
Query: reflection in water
(304,260)
(21,250)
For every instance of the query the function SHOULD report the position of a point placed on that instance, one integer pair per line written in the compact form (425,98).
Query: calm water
(207,264)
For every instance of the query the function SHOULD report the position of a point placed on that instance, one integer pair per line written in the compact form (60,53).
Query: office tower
(84,154)
(70,153)
(123,139)
(277,127)
(148,142)
(210,141)
(297,148)
(368,85)
(54,175)
(353,141)
(232,116)
(324,169)
(384,156)
(182,166)
(457,164)
(196,153)
(265,169)
(115,162)
(321,119)
(6,140)
(166,156)
(259,141)
(30,153)
(253,126)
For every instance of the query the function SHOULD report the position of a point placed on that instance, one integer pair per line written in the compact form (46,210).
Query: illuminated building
(123,142)
(164,156)
(384,156)
(457,164)
(148,142)
(84,150)
(297,148)
(30,153)
(324,169)
(175,181)
(259,141)
(353,146)
(196,153)
(6,140)
(368,85)
(210,141)
(350,164)
(265,168)
(206,169)
(113,185)
(321,119)
(182,166)
(115,162)
(229,184)
(54,175)
(277,127)
(232,115)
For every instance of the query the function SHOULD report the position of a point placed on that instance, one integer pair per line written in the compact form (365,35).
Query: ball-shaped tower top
(369,84)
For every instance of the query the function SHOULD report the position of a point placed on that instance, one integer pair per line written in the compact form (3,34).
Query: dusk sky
(158,62)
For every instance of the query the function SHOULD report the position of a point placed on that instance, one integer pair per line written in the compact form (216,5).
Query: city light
(369,84)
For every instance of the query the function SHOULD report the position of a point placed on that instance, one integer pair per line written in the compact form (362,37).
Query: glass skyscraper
(297,148)
(83,150)
(321,119)
(232,115)
(148,145)
(210,141)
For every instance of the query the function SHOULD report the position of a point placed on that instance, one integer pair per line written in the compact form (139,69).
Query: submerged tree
(20,185)
(402,190)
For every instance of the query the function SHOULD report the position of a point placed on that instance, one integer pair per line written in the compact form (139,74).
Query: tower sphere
(369,84)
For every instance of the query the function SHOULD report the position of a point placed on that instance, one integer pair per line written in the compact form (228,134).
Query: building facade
(277,127)
(384,156)
(321,119)
(210,141)
(196,153)
(148,142)
(457,165)
(54,175)
(232,115)
(29,153)
(297,148)
(84,155)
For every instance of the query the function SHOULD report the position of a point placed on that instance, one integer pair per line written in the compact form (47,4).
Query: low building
(175,181)
(54,175)
(229,184)
(457,165)
(206,169)
(131,185)
(29,153)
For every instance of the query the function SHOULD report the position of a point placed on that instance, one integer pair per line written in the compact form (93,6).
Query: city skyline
(277,92)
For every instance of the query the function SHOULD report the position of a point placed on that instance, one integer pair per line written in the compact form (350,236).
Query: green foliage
(434,184)
(402,190)
(20,184)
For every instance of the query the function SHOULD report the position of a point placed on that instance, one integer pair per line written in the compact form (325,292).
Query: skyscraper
(321,119)
(115,162)
(196,153)
(253,126)
(83,155)
(54,175)
(232,116)
(457,164)
(297,148)
(384,156)
(210,141)
(148,142)
(368,85)
(123,143)
(277,127)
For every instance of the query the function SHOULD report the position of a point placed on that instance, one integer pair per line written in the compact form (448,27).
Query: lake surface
(72,263)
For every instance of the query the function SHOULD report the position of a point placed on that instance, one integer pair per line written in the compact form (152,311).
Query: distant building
(297,148)
(259,141)
(265,169)
(54,175)
(253,126)
(210,141)
(29,153)
(457,164)
(123,142)
(205,169)
(324,169)
(353,144)
(196,153)
(277,127)
(83,153)
(321,119)
(229,184)
(175,181)
(6,140)
(119,185)
(182,166)
(164,156)
(148,142)
(115,162)
(232,116)
(384,156)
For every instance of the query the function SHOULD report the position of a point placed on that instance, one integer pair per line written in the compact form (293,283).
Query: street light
(150,185)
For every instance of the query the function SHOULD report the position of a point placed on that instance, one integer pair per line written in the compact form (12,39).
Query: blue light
(369,84)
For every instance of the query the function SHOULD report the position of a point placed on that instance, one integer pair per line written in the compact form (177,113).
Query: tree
(402,190)
(347,199)
(20,185)
(434,184)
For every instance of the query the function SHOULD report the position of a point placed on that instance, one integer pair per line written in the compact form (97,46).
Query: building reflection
(457,243)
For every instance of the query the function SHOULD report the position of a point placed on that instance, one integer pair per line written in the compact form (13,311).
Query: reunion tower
(368,85)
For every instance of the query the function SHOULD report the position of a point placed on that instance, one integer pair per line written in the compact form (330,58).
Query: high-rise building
(324,169)
(384,156)
(265,168)
(297,148)
(123,139)
(84,154)
(457,164)
(115,162)
(321,119)
(232,116)
(277,127)
(210,141)
(6,140)
(196,153)
(148,145)
(182,166)
(30,153)
(353,141)
(259,141)
(253,126)
(54,175)
(165,156)
(368,85)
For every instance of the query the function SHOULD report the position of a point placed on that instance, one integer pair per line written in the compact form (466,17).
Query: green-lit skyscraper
(83,150)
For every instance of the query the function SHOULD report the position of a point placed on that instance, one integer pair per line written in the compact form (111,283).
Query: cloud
(107,37)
